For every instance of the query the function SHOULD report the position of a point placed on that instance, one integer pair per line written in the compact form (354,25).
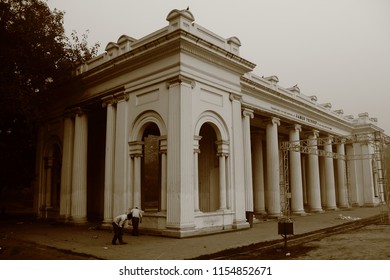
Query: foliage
(36,56)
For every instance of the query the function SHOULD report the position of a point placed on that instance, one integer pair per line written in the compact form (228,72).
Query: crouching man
(118,225)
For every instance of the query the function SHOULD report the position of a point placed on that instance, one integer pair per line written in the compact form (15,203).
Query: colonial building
(176,123)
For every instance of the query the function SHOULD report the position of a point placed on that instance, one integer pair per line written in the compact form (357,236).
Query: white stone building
(176,123)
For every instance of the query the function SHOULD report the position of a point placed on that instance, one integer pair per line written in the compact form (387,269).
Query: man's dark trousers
(118,233)
(135,223)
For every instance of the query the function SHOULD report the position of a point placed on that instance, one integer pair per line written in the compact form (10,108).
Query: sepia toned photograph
(194,130)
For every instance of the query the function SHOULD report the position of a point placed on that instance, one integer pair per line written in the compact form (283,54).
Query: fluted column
(313,182)
(238,163)
(273,188)
(329,177)
(296,173)
(163,152)
(341,175)
(258,173)
(368,177)
(66,169)
(121,193)
(109,161)
(79,174)
(248,114)
(196,172)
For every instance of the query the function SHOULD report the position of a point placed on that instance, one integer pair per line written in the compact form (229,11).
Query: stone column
(273,187)
(109,161)
(341,175)
(248,114)
(121,185)
(355,174)
(329,177)
(66,169)
(296,173)
(368,177)
(258,173)
(163,152)
(238,163)
(223,152)
(48,186)
(79,173)
(196,172)
(313,182)
(136,149)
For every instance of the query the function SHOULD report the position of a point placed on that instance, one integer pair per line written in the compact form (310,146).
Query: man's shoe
(123,243)
(113,243)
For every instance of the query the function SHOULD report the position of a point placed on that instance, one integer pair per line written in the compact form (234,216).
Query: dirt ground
(371,242)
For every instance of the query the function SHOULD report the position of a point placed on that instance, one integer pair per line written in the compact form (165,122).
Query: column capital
(49,162)
(223,147)
(108,100)
(273,121)
(121,96)
(136,148)
(235,97)
(163,145)
(329,139)
(197,138)
(313,133)
(248,113)
(75,111)
(296,127)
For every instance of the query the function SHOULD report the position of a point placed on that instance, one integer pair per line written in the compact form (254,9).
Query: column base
(316,210)
(299,213)
(107,223)
(240,224)
(79,220)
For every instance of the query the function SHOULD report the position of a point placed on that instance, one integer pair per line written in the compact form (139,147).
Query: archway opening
(151,169)
(208,170)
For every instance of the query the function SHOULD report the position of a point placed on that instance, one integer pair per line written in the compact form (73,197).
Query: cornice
(252,88)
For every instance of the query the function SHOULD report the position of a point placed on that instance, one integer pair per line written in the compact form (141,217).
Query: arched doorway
(151,169)
(208,170)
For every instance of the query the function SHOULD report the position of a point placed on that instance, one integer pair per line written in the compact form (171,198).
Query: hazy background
(338,50)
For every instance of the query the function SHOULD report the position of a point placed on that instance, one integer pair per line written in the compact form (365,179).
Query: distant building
(176,123)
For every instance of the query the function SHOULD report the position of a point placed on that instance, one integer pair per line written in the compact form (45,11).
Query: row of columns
(73,203)
(320,180)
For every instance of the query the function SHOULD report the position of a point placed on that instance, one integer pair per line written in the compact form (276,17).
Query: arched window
(151,169)
(208,170)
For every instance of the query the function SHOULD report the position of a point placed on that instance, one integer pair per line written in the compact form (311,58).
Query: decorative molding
(235,97)
(181,80)
(223,148)
(136,149)
(109,100)
(121,96)
(248,113)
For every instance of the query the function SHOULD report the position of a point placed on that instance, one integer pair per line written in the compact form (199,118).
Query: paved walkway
(92,241)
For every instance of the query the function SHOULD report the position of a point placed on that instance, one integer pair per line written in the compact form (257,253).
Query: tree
(35,57)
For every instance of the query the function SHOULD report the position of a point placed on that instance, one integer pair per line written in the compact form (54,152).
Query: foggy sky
(338,50)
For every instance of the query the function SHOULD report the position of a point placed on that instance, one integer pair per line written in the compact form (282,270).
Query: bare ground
(362,242)
(370,242)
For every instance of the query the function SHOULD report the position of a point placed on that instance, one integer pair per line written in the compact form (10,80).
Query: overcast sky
(338,50)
